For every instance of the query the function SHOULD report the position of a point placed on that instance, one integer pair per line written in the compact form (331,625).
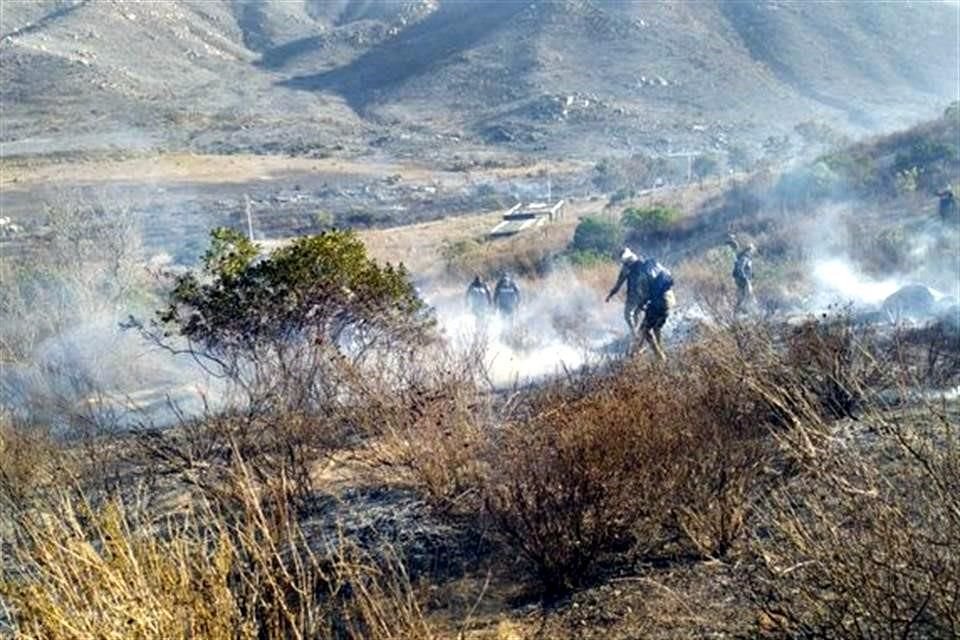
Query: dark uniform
(649,290)
(948,204)
(506,296)
(743,275)
(478,297)
(634,302)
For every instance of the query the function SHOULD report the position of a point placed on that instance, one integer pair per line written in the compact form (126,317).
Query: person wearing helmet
(630,276)
(649,290)
(506,296)
(743,274)
(478,297)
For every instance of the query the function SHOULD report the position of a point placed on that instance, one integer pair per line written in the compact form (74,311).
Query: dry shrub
(779,285)
(662,461)
(598,276)
(200,451)
(29,462)
(562,495)
(837,361)
(865,541)
(293,440)
(436,442)
(708,280)
(934,351)
(246,572)
(670,461)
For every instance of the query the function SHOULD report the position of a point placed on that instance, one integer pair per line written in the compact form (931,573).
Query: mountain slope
(572,77)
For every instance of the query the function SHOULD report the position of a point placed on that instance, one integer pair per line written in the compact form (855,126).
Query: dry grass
(30,462)
(436,444)
(526,254)
(207,168)
(247,572)
(863,542)
(458,247)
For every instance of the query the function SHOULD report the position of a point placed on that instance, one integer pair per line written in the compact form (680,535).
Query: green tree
(598,236)
(647,220)
(273,323)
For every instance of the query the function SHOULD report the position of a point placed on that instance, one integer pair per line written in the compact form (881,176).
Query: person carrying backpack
(649,290)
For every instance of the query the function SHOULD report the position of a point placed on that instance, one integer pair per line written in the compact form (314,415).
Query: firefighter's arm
(620,280)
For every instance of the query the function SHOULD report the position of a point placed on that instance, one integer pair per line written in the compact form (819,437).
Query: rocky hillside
(574,77)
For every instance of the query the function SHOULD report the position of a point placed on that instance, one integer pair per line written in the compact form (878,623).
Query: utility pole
(246,206)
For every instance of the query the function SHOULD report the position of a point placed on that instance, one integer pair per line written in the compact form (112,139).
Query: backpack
(659,276)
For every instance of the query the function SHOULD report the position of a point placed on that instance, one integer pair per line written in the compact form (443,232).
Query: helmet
(628,256)
(750,248)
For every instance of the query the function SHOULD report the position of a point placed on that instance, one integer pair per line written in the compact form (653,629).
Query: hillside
(578,77)
(774,462)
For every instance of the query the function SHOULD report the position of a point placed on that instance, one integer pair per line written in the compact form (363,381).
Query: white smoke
(105,376)
(561,325)
(838,281)
(924,252)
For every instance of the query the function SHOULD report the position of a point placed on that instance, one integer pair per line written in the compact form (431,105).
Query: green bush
(242,310)
(637,172)
(814,182)
(363,218)
(813,132)
(856,168)
(323,219)
(906,180)
(453,250)
(622,194)
(649,219)
(586,258)
(596,235)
